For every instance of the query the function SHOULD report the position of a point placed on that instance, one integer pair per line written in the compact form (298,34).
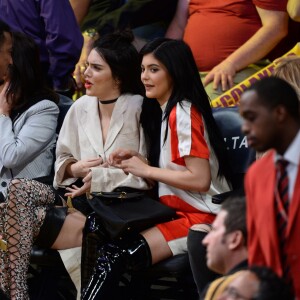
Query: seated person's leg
(197,256)
(70,235)
(132,253)
(28,215)
(22,216)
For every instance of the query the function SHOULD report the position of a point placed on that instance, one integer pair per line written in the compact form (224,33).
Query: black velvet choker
(108,101)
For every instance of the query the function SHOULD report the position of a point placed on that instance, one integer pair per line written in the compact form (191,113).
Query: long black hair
(4,28)
(178,59)
(27,85)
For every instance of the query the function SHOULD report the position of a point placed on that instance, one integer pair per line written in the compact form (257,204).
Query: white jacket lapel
(90,123)
(117,121)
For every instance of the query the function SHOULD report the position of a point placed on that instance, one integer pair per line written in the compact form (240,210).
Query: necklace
(108,101)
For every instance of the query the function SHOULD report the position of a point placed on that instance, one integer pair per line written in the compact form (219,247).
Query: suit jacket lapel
(268,204)
(294,204)
(116,122)
(90,123)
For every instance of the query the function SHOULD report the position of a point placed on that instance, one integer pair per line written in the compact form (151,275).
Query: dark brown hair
(27,85)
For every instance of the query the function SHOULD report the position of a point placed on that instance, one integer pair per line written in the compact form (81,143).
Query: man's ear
(281,113)
(235,240)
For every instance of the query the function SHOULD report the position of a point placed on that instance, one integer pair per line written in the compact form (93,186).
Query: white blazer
(81,138)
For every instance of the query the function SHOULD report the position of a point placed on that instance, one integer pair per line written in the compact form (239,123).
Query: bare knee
(158,245)
(16,180)
(70,235)
(14,184)
(201,227)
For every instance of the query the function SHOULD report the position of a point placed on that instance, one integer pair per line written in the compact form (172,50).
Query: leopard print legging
(21,217)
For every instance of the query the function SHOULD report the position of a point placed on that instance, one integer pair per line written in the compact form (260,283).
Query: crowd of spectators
(190,51)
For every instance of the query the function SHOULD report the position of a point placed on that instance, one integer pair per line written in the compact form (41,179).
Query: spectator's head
(115,60)
(5,50)
(226,243)
(288,68)
(27,84)
(270,112)
(256,283)
(175,59)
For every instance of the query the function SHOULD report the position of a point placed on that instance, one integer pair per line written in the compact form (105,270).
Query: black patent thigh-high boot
(114,259)
(94,236)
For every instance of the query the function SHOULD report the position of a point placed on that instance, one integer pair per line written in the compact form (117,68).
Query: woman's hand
(75,191)
(81,168)
(115,159)
(135,166)
(4,105)
(81,65)
(196,176)
(222,75)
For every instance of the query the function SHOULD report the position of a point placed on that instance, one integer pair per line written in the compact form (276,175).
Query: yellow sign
(232,96)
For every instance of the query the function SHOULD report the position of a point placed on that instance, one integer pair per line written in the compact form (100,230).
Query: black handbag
(123,213)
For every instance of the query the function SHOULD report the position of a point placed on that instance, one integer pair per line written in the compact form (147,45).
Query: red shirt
(217,28)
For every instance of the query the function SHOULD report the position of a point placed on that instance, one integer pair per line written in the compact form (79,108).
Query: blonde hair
(218,286)
(288,69)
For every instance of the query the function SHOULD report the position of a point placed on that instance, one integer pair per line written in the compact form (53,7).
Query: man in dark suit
(270,109)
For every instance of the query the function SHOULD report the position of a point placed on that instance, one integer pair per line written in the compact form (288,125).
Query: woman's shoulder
(132,98)
(183,112)
(185,107)
(188,106)
(43,105)
(133,101)
(84,101)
